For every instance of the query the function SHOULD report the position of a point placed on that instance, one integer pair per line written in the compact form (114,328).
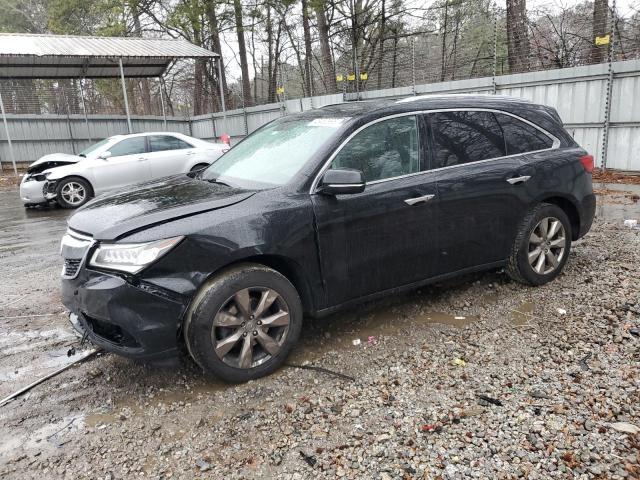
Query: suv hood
(53,160)
(111,216)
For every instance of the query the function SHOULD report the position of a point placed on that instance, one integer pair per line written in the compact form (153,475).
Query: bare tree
(517,35)
(600,29)
(242,51)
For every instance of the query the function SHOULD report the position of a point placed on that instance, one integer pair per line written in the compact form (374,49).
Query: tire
(536,271)
(198,167)
(73,192)
(216,318)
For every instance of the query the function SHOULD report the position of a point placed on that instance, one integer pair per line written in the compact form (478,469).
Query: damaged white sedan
(114,163)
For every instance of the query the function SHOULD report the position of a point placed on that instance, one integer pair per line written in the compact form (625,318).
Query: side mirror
(340,181)
(105,155)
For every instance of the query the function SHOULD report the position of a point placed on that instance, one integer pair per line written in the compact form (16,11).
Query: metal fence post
(124,94)
(164,113)
(610,78)
(495,49)
(84,109)
(413,64)
(222,103)
(6,129)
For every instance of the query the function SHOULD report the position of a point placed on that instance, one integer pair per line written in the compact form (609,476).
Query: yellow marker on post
(351,77)
(280,90)
(603,40)
(364,76)
(339,78)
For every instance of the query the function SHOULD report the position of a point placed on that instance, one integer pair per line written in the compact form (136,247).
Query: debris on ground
(489,400)
(625,427)
(356,342)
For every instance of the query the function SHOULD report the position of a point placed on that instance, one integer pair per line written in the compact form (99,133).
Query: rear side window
(128,146)
(464,137)
(160,143)
(389,148)
(520,137)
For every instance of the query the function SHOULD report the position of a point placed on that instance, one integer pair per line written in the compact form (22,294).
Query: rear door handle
(423,199)
(517,180)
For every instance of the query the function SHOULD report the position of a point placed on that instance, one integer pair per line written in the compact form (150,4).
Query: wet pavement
(35,337)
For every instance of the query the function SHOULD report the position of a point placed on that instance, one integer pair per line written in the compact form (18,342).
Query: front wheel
(243,323)
(542,245)
(73,192)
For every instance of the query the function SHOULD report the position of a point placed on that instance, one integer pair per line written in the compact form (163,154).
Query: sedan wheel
(541,247)
(251,327)
(73,192)
(243,323)
(547,245)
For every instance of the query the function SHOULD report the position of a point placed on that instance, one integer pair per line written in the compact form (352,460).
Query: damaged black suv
(316,211)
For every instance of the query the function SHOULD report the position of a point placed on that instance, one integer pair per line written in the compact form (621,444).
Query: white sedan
(113,163)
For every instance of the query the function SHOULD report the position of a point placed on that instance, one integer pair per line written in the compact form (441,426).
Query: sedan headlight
(131,257)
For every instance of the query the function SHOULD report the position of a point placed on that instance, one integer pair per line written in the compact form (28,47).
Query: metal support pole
(164,113)
(607,102)
(124,94)
(69,126)
(6,129)
(413,64)
(222,103)
(84,109)
(495,49)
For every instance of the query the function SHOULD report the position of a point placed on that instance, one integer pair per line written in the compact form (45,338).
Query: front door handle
(517,180)
(423,199)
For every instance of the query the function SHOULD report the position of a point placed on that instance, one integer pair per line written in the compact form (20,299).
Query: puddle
(338,331)
(523,314)
(50,436)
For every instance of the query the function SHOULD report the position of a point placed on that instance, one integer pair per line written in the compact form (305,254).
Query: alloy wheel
(250,327)
(547,245)
(73,193)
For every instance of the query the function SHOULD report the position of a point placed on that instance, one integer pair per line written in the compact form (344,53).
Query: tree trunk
(600,29)
(328,71)
(215,42)
(144,83)
(444,41)
(198,98)
(242,50)
(517,36)
(383,20)
(307,48)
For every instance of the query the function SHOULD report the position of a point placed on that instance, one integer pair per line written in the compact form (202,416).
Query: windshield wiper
(215,180)
(82,155)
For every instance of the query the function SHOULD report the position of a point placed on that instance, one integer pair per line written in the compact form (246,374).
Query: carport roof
(67,56)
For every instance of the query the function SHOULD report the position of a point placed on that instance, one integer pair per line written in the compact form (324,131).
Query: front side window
(386,149)
(520,137)
(274,154)
(160,143)
(463,137)
(128,146)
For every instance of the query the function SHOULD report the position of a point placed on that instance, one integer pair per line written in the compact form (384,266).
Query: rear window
(520,137)
(463,137)
(160,143)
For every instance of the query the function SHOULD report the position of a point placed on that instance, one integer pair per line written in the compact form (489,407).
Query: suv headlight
(131,257)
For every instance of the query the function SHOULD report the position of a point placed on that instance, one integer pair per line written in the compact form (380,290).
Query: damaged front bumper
(32,191)
(137,321)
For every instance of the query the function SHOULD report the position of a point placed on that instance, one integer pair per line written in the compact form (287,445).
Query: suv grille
(71,266)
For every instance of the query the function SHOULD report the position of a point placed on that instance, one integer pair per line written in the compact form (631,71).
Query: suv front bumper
(140,321)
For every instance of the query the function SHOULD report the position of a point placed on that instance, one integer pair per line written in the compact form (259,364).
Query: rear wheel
(243,323)
(541,247)
(73,192)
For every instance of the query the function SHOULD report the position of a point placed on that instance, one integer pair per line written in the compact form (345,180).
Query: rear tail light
(587,162)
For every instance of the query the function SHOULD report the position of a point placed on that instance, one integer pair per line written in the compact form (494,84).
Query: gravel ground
(477,378)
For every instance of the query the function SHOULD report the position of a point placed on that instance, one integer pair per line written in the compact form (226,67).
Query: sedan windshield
(271,156)
(93,148)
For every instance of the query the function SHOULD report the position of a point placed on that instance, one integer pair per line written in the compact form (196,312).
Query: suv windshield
(93,148)
(271,156)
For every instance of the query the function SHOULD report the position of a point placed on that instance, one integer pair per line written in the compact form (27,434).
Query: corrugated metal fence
(579,94)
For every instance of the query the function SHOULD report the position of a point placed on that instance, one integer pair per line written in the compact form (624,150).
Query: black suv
(319,210)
